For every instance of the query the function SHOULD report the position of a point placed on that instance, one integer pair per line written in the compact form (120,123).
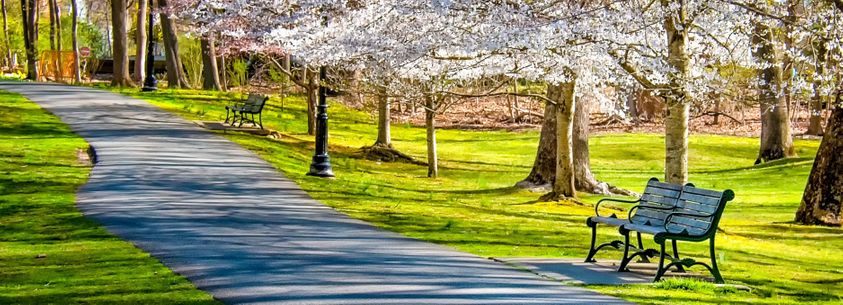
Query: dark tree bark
(430,124)
(59,47)
(120,42)
(776,140)
(210,73)
(77,74)
(312,83)
(544,167)
(9,61)
(175,69)
(821,202)
(29,11)
(140,41)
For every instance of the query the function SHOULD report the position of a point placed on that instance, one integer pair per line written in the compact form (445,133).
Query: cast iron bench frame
(695,219)
(657,200)
(253,104)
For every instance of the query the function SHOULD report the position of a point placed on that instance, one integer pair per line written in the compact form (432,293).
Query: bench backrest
(660,194)
(255,102)
(700,202)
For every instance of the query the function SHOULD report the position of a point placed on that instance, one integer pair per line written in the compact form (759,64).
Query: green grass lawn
(473,206)
(50,253)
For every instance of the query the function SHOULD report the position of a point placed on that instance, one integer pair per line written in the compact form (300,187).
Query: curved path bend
(235,227)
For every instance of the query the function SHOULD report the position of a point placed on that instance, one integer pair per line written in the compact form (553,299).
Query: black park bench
(253,105)
(658,199)
(694,218)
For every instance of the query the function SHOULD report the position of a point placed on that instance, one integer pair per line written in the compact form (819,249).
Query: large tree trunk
(9,61)
(821,202)
(140,41)
(563,185)
(175,69)
(544,167)
(210,73)
(776,141)
(676,123)
(77,74)
(384,137)
(29,11)
(120,44)
(583,177)
(429,121)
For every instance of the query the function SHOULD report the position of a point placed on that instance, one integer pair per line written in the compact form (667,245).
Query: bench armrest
(682,214)
(597,206)
(647,206)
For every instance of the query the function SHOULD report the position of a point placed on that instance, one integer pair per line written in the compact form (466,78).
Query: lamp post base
(321,167)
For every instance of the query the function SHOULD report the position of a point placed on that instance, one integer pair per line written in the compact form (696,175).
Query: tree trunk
(120,44)
(9,62)
(583,177)
(563,185)
(210,73)
(140,41)
(384,138)
(821,202)
(776,141)
(51,8)
(676,122)
(29,10)
(312,83)
(432,158)
(815,107)
(175,69)
(77,74)
(544,167)
(59,47)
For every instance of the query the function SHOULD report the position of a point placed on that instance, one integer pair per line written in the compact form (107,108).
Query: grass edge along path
(49,252)
(473,207)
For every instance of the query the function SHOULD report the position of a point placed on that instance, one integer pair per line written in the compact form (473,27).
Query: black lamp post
(321,164)
(150,83)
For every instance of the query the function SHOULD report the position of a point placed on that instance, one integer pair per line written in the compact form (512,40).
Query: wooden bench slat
(658,200)
(703,192)
(691,230)
(664,185)
(705,200)
(696,208)
(684,221)
(662,192)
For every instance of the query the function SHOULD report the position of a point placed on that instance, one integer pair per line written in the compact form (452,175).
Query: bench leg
(592,251)
(660,272)
(676,257)
(714,270)
(260,119)
(626,258)
(242,118)
(227,112)
(644,258)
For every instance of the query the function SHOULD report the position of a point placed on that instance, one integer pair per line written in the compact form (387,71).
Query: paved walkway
(217,214)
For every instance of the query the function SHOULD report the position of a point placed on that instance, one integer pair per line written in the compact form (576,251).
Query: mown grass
(49,252)
(473,206)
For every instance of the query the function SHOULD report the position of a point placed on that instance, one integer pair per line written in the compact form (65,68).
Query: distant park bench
(658,199)
(684,214)
(253,105)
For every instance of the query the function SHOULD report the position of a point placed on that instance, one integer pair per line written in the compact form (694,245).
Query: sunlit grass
(474,208)
(49,252)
